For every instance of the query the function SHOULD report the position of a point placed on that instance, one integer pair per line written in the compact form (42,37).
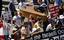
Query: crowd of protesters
(15,26)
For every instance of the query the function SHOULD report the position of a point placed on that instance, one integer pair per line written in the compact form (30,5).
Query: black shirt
(12,7)
(35,2)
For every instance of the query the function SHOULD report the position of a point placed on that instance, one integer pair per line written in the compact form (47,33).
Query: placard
(50,35)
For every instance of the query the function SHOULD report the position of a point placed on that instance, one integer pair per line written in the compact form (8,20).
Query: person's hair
(23,26)
(51,1)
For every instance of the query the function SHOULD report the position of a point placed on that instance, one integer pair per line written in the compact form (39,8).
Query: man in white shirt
(17,20)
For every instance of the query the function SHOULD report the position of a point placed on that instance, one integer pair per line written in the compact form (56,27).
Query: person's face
(18,13)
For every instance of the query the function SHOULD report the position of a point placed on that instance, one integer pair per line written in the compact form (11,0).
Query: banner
(50,35)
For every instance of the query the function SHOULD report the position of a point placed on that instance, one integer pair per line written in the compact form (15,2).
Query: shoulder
(20,3)
(14,17)
(49,25)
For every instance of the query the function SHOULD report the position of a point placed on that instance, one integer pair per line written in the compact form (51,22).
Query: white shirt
(49,27)
(17,20)
(61,17)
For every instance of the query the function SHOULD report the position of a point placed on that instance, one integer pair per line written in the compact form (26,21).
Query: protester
(17,19)
(1,30)
(12,8)
(61,16)
(31,22)
(19,27)
(53,9)
(7,16)
(28,23)
(6,30)
(23,32)
(20,5)
(40,6)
